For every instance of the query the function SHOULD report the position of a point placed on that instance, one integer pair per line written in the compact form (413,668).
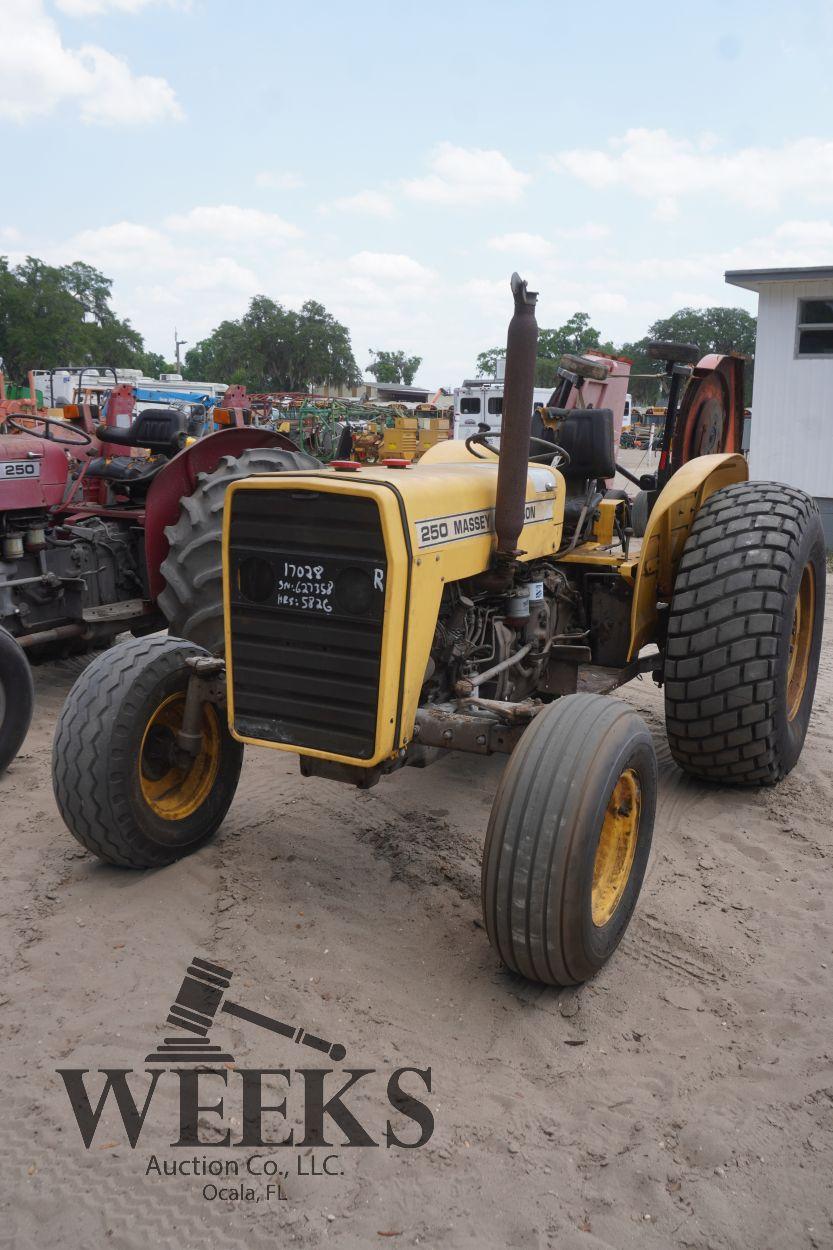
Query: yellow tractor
(487,599)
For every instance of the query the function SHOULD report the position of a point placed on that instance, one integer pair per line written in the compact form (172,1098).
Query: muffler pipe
(516,426)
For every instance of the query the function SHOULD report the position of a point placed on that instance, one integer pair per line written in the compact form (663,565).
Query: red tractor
(113,525)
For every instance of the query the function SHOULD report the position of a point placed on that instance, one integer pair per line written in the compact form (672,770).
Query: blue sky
(396,162)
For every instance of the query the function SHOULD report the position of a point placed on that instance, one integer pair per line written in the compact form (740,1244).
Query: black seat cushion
(129,472)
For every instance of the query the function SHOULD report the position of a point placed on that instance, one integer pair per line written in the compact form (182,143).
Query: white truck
(479,402)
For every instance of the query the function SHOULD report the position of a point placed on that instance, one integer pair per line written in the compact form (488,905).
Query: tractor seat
(586,434)
(134,475)
(162,430)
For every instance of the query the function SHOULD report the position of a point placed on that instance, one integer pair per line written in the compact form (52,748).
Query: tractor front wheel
(744,634)
(569,838)
(123,785)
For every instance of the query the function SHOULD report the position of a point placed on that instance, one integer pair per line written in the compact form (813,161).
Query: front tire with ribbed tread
(97,756)
(730,626)
(545,829)
(192,598)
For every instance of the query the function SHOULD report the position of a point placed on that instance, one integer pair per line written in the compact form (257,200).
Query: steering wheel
(553,449)
(80,437)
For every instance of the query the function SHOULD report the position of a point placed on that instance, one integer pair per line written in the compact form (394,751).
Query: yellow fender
(668,528)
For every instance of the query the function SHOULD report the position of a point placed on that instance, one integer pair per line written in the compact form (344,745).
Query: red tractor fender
(179,478)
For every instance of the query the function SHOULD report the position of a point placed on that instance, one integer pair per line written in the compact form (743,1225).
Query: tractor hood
(353,564)
(33,472)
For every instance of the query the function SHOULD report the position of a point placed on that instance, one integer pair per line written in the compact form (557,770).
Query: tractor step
(124,610)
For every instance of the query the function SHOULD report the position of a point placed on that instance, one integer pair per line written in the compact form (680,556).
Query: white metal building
(792,404)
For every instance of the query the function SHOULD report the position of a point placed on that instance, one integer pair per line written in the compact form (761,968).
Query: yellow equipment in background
(400,435)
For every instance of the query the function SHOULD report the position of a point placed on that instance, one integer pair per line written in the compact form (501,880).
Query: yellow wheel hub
(801,638)
(175,785)
(617,847)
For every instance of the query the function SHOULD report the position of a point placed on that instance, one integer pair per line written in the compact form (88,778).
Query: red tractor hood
(33,472)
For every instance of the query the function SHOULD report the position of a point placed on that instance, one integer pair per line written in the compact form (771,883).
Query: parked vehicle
(112,525)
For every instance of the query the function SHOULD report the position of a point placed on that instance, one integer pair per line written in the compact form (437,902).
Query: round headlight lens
(354,591)
(256,579)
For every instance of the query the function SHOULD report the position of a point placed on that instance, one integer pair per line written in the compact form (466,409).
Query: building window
(469,405)
(495,405)
(815,327)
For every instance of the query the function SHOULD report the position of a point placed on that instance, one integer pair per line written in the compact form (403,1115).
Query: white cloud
(370,203)
(118,97)
(124,245)
(520,243)
(813,234)
(230,221)
(648,162)
(39,74)
(389,267)
(273,180)
(467,175)
(590,230)
(93,8)
(220,274)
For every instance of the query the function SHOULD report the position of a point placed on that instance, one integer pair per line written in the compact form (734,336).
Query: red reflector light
(395,464)
(345,466)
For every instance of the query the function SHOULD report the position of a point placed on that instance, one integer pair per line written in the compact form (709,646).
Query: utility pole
(178,342)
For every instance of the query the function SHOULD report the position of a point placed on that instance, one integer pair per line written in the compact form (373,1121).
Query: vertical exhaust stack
(516,427)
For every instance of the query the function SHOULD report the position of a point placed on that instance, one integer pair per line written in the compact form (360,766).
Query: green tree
(272,348)
(716,329)
(487,362)
(153,364)
(54,315)
(393,366)
(576,335)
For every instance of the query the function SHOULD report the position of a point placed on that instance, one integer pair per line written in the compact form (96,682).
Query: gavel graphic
(195,1009)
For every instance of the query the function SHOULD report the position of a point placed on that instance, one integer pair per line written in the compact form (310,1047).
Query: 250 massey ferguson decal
(435,531)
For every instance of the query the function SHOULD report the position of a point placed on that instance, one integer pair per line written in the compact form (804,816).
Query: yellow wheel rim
(801,638)
(617,847)
(175,785)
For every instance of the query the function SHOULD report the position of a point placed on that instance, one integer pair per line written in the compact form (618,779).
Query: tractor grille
(307,587)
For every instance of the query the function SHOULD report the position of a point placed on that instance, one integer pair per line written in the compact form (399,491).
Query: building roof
(754,279)
(400,389)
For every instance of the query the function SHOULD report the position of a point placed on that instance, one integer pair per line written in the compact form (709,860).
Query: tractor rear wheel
(17,698)
(192,599)
(569,838)
(744,634)
(124,788)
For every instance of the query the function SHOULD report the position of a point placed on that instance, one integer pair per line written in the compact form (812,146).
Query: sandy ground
(684,1098)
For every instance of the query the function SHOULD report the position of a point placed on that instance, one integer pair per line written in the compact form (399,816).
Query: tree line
(58,315)
(716,329)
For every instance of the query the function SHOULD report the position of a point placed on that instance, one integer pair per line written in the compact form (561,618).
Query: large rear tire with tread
(123,788)
(569,838)
(744,634)
(17,698)
(192,599)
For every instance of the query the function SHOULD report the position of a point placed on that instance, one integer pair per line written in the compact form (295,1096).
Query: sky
(397,161)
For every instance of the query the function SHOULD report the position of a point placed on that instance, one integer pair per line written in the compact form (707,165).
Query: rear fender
(668,528)
(179,478)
